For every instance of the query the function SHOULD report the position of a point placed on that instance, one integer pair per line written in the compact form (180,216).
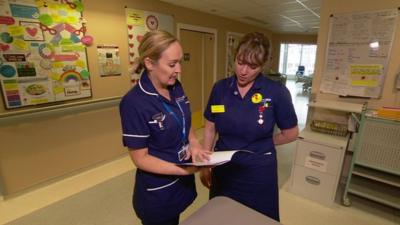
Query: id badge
(183,152)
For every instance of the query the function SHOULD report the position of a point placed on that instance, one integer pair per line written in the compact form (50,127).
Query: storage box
(329,127)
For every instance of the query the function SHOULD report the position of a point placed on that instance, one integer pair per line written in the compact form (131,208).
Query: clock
(152,22)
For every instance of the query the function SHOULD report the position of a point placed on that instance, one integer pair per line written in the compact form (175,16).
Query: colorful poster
(43,52)
(109,63)
(138,23)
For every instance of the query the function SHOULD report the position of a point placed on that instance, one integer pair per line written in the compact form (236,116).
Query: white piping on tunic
(164,186)
(149,93)
(268,153)
(134,135)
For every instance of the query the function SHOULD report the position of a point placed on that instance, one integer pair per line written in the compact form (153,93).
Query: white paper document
(216,158)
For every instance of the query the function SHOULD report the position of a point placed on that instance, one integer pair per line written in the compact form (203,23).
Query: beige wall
(107,18)
(278,39)
(37,149)
(390,97)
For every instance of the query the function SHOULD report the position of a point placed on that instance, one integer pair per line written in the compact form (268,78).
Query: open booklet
(216,158)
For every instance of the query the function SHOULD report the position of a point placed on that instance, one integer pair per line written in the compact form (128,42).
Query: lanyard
(183,124)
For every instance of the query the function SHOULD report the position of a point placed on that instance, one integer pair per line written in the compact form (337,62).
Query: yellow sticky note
(72,48)
(58,90)
(11,86)
(39,100)
(55,76)
(20,44)
(217,108)
(56,18)
(365,83)
(40,3)
(80,63)
(16,30)
(72,20)
(53,6)
(135,17)
(58,65)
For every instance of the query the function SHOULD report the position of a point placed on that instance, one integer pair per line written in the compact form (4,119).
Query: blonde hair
(153,44)
(253,49)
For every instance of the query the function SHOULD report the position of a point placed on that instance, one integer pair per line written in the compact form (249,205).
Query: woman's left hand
(198,153)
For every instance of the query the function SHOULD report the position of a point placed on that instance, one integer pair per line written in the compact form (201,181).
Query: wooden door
(197,71)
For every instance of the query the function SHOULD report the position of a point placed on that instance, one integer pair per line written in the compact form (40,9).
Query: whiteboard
(358,52)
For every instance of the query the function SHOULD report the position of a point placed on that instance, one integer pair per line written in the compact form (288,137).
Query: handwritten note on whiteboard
(359,46)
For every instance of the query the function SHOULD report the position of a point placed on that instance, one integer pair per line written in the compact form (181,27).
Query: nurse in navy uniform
(243,110)
(156,124)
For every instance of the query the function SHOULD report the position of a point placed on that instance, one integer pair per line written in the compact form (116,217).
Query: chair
(306,80)
(307,84)
(300,70)
(300,78)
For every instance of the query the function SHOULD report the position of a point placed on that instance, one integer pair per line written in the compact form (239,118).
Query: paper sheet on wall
(359,46)
(138,23)
(109,62)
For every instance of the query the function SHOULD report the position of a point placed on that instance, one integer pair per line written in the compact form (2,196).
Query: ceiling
(278,16)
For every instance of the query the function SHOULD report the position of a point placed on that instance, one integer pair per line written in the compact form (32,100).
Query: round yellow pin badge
(256,98)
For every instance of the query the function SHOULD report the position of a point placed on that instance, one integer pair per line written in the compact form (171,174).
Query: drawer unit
(314,185)
(316,168)
(317,163)
(318,157)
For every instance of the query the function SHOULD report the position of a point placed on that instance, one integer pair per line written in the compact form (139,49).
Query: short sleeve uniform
(248,124)
(162,126)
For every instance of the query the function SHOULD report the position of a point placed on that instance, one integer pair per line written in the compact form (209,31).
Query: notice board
(358,51)
(43,58)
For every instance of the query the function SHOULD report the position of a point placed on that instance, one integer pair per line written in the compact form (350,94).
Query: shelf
(378,192)
(338,106)
(376,175)
(324,139)
(57,110)
(374,167)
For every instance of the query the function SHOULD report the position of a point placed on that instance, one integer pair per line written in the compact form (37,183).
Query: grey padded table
(223,210)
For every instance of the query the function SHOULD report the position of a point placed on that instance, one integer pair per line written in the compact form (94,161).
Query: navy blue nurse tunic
(152,121)
(248,124)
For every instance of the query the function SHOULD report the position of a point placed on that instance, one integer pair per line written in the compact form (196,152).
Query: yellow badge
(217,108)
(256,98)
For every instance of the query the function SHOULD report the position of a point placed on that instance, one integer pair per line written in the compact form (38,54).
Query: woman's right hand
(205,177)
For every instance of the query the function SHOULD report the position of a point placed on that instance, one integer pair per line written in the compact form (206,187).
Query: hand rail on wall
(58,110)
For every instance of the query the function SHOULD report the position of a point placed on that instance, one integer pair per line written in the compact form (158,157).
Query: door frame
(183,26)
(189,27)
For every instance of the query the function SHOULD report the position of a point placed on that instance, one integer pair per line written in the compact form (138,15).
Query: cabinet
(319,156)
(375,168)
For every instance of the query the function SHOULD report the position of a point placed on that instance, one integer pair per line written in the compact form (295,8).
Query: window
(294,55)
